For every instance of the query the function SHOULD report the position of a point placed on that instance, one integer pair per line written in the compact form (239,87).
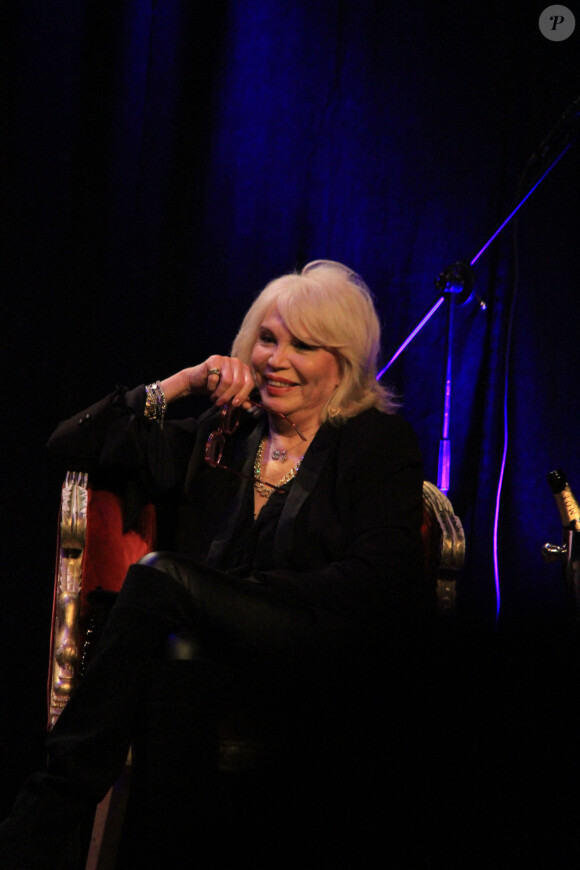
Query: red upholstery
(109,551)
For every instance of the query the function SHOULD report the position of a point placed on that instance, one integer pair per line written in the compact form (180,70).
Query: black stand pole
(455,283)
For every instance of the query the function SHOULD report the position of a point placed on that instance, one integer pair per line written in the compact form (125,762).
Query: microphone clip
(457,281)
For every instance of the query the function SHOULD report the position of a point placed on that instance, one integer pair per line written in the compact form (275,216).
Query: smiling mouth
(274,382)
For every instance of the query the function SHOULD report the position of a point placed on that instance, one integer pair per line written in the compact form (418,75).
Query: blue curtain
(163,160)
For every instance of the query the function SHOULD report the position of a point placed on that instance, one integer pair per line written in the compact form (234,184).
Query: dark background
(162,160)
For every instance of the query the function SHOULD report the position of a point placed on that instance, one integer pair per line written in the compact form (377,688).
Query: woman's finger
(234,384)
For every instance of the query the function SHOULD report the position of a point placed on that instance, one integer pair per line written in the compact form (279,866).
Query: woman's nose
(278,358)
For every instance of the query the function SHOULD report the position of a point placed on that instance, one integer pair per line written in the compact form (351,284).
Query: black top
(345,537)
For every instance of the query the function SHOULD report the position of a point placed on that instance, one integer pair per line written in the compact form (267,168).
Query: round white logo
(557,23)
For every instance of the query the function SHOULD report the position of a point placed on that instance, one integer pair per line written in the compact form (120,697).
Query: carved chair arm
(444,543)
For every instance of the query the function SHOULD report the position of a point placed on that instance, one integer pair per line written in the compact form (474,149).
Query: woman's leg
(243,621)
(238,621)
(88,745)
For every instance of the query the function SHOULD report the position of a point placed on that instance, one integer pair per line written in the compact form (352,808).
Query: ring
(214,372)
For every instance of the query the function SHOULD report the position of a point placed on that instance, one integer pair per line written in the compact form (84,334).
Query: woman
(290,526)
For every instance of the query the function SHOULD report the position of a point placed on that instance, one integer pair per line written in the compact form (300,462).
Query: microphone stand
(455,283)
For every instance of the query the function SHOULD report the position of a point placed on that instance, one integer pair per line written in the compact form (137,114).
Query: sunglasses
(228,423)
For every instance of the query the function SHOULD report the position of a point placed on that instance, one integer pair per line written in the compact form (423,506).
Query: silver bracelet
(155,404)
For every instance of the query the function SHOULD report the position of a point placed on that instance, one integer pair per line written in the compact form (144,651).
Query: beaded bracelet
(155,404)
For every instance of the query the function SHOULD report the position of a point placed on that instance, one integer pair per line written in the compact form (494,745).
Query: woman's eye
(302,345)
(265,338)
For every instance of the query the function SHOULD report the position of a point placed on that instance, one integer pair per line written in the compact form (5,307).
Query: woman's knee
(157,559)
(178,568)
(171,564)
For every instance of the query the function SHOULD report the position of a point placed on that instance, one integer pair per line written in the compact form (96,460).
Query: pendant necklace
(279,455)
(264,490)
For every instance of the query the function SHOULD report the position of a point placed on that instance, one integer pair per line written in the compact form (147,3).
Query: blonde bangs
(309,313)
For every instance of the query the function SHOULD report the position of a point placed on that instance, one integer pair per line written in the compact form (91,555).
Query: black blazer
(348,537)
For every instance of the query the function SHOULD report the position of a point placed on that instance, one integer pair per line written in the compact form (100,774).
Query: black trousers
(268,640)
(261,639)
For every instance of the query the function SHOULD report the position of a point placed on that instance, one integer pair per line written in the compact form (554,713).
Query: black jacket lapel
(303,485)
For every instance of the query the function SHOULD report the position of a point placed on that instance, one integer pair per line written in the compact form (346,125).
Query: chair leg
(108,824)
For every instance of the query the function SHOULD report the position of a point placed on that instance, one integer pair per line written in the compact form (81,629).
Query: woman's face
(294,378)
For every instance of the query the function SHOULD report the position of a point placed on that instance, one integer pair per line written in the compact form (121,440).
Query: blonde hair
(329,305)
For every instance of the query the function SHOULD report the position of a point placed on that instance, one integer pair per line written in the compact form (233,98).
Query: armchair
(93,555)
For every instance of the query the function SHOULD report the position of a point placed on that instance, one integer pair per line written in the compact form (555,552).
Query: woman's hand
(226,379)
